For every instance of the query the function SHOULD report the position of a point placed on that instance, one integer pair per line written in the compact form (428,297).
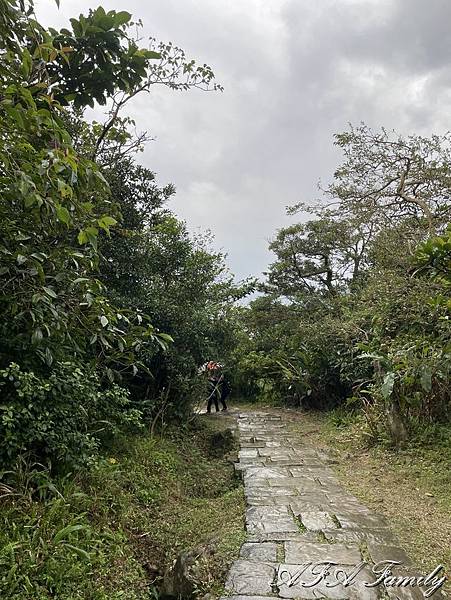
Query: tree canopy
(99,279)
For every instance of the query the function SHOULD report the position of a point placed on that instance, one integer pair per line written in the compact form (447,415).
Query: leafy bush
(433,259)
(63,416)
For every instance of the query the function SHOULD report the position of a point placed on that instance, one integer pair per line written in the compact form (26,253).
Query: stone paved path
(298,513)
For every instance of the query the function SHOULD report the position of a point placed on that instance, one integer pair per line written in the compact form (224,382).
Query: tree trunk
(395,422)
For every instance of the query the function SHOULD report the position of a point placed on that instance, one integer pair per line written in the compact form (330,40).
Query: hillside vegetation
(109,307)
(355,309)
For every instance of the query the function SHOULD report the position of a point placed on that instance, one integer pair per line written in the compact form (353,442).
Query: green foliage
(54,204)
(62,416)
(111,531)
(174,278)
(434,258)
(356,311)
(73,209)
(319,254)
(386,343)
(103,58)
(54,550)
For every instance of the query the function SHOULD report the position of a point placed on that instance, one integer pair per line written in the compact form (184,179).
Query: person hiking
(218,388)
(225,391)
(214,392)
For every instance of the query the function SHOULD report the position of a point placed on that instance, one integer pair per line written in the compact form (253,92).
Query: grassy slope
(108,533)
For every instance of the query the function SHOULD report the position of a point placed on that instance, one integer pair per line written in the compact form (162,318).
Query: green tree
(154,266)
(57,213)
(321,255)
(355,305)
(54,203)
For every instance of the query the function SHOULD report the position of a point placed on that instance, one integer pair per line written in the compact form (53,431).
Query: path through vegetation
(298,513)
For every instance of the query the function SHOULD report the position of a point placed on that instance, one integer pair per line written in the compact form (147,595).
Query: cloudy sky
(294,73)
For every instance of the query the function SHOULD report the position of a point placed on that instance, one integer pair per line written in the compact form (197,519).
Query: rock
(222,442)
(178,580)
(185,575)
(259,552)
(381,552)
(317,520)
(297,553)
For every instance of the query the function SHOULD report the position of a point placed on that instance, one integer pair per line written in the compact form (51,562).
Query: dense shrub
(62,416)
(384,348)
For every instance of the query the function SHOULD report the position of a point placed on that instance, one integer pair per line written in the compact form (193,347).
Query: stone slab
(305,582)
(283,536)
(269,519)
(248,453)
(381,552)
(265,552)
(400,593)
(246,597)
(299,482)
(308,469)
(301,552)
(357,520)
(266,473)
(299,505)
(251,578)
(348,536)
(266,490)
(317,521)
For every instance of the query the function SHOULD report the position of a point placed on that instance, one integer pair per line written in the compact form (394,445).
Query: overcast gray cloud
(294,72)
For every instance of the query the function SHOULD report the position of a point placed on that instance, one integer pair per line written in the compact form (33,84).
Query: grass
(297,519)
(410,486)
(111,532)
